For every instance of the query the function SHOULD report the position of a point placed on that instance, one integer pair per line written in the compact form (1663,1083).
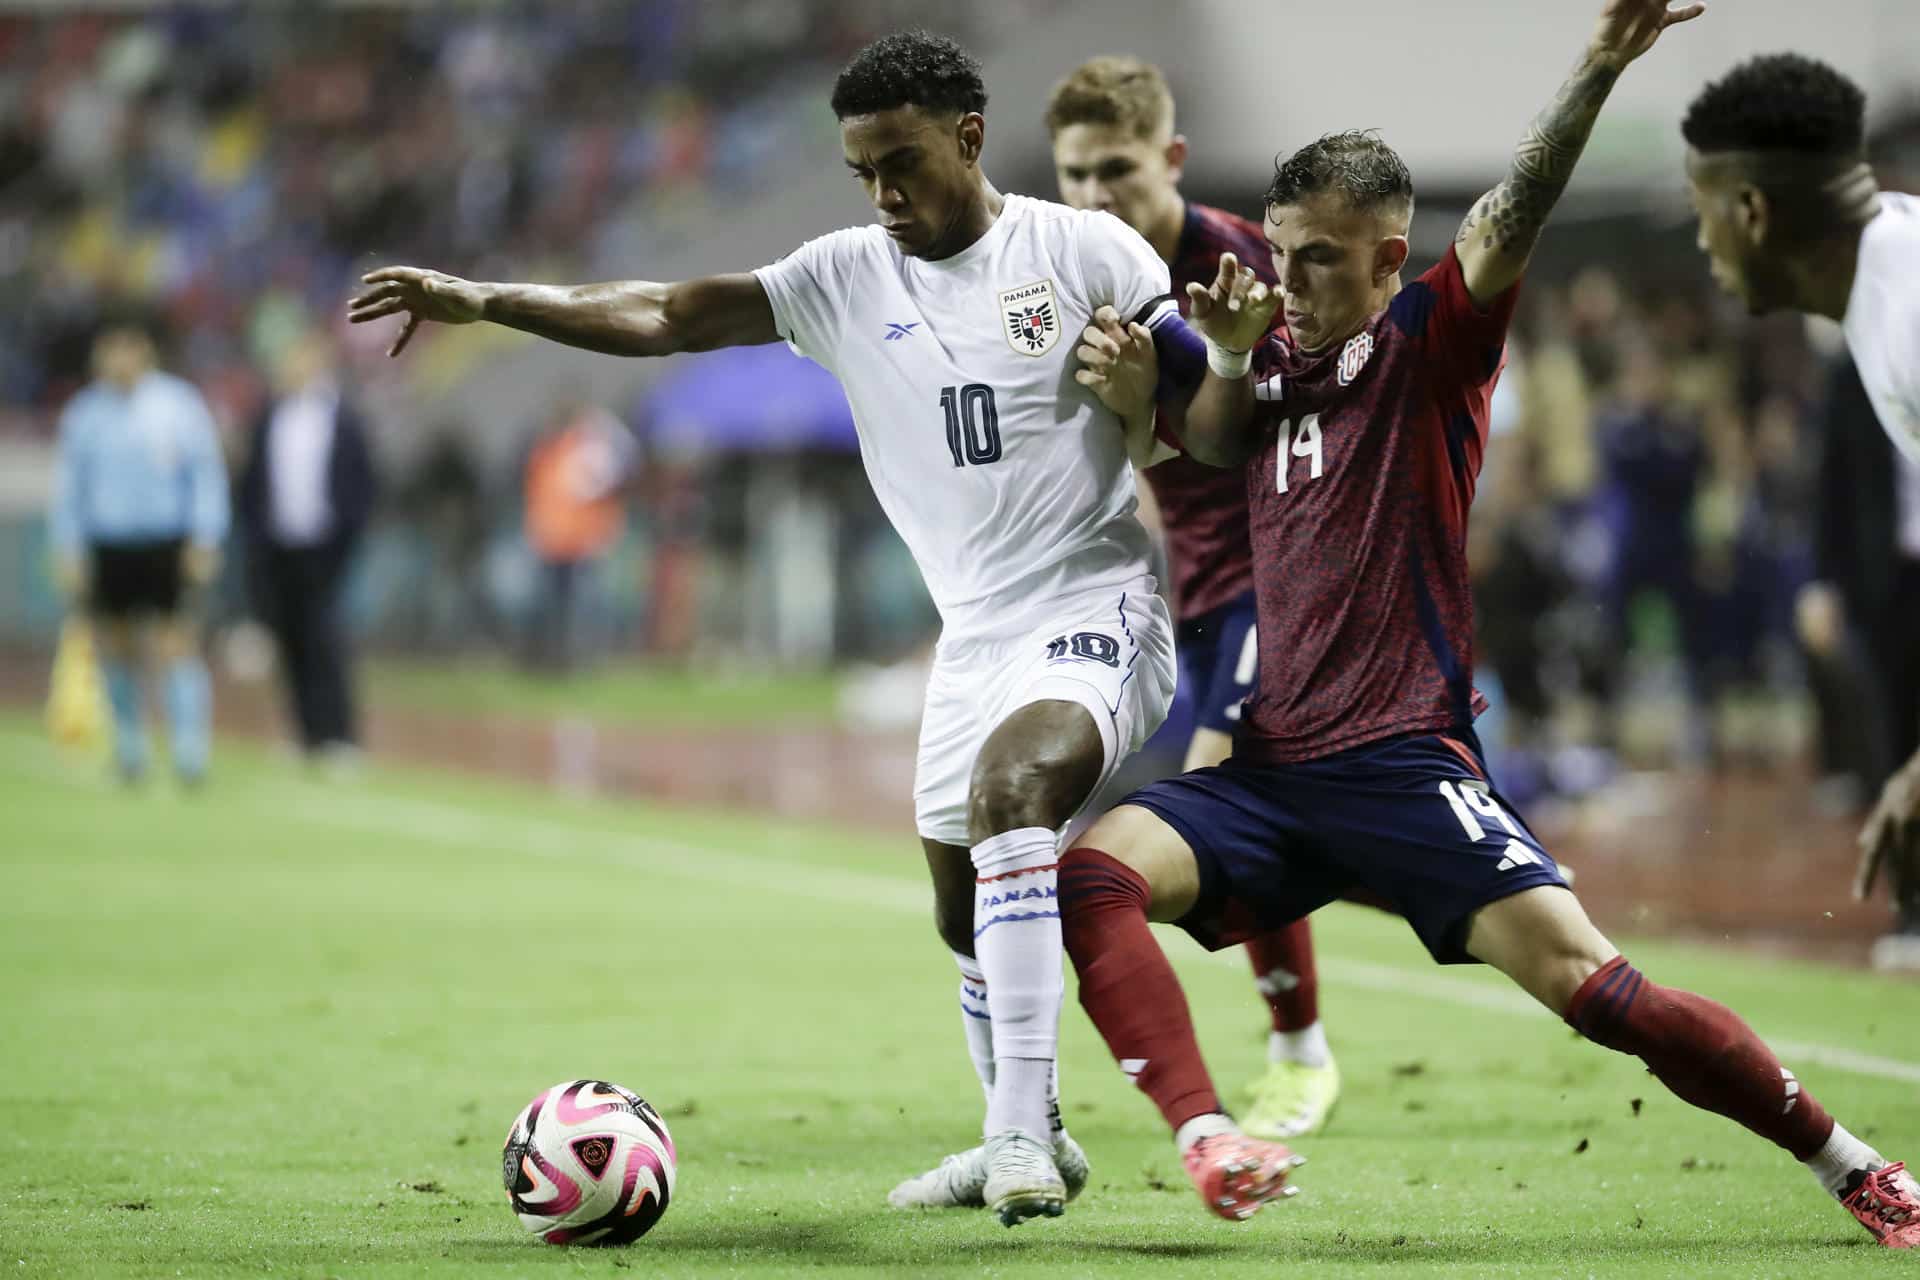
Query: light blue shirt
(139,465)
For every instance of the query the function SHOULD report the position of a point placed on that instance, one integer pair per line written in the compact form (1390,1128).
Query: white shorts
(1114,658)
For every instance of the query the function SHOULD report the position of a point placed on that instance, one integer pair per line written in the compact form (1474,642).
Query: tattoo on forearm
(1509,217)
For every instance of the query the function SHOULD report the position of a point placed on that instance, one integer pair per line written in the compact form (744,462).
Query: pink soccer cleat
(1236,1174)
(1887,1202)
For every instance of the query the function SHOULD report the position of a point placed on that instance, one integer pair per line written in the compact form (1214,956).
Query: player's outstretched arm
(1499,233)
(621,318)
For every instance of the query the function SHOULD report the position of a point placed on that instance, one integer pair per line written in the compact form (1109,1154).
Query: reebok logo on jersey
(895,332)
(1032,322)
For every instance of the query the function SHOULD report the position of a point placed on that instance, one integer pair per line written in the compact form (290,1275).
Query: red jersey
(1358,502)
(1204,508)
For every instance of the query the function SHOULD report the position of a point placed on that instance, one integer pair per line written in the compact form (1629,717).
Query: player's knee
(1142,848)
(954,922)
(1561,973)
(1542,939)
(1039,787)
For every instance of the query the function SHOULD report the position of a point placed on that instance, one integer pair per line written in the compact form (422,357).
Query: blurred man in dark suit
(305,497)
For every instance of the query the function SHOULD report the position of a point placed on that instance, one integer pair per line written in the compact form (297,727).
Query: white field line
(435,822)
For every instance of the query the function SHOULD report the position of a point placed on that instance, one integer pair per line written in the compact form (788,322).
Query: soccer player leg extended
(1056,709)
(1130,868)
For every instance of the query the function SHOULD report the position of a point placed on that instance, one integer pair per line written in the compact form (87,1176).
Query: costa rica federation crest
(1031,319)
(1353,357)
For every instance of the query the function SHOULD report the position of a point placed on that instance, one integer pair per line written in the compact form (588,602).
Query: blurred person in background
(444,499)
(1115,149)
(304,500)
(1652,461)
(1792,218)
(576,477)
(138,516)
(1860,617)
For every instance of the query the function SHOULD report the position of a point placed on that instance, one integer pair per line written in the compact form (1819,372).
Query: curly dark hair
(910,68)
(1356,163)
(1778,102)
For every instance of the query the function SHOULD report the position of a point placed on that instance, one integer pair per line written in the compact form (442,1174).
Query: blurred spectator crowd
(1645,531)
(237,164)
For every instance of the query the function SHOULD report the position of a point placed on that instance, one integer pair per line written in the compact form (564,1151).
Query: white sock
(1307,1046)
(1016,936)
(1055,1121)
(1020,1098)
(1843,1156)
(976,1019)
(1210,1125)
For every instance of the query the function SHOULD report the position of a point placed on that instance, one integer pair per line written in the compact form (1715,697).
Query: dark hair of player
(1113,90)
(1778,102)
(1356,163)
(910,69)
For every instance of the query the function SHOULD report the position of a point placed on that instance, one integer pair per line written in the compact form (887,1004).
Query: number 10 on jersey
(973,424)
(1301,440)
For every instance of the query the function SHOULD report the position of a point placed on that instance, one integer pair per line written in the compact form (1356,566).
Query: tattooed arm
(1498,236)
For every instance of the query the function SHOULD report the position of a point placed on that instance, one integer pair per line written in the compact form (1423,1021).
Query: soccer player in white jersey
(1011,484)
(1791,217)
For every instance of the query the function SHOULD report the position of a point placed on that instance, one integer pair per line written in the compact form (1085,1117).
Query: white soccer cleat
(1022,1180)
(960,1181)
(1071,1161)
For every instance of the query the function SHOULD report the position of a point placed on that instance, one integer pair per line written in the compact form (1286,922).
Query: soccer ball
(588,1162)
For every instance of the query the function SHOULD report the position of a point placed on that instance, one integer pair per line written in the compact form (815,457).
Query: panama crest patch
(1030,318)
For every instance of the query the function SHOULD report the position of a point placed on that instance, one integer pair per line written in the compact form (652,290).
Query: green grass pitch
(280,1027)
(614,693)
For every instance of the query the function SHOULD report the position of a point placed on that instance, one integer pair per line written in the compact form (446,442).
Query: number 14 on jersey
(1297,440)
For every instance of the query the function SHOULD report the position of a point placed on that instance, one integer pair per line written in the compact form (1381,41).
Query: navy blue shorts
(1410,822)
(1219,662)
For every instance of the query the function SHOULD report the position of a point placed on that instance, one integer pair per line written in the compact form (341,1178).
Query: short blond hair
(1113,90)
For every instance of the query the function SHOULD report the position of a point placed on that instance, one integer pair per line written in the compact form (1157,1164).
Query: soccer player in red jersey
(1360,434)
(1115,148)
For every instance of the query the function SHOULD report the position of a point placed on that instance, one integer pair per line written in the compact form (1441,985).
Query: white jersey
(1882,323)
(1008,480)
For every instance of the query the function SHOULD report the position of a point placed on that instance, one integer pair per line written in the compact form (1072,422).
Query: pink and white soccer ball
(588,1162)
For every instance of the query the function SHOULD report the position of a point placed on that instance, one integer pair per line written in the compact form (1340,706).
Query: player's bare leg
(1129,869)
(1296,1093)
(118,640)
(1702,1051)
(175,644)
(959,1181)
(1035,770)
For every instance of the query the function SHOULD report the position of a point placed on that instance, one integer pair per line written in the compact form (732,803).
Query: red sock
(1702,1051)
(1128,988)
(1283,970)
